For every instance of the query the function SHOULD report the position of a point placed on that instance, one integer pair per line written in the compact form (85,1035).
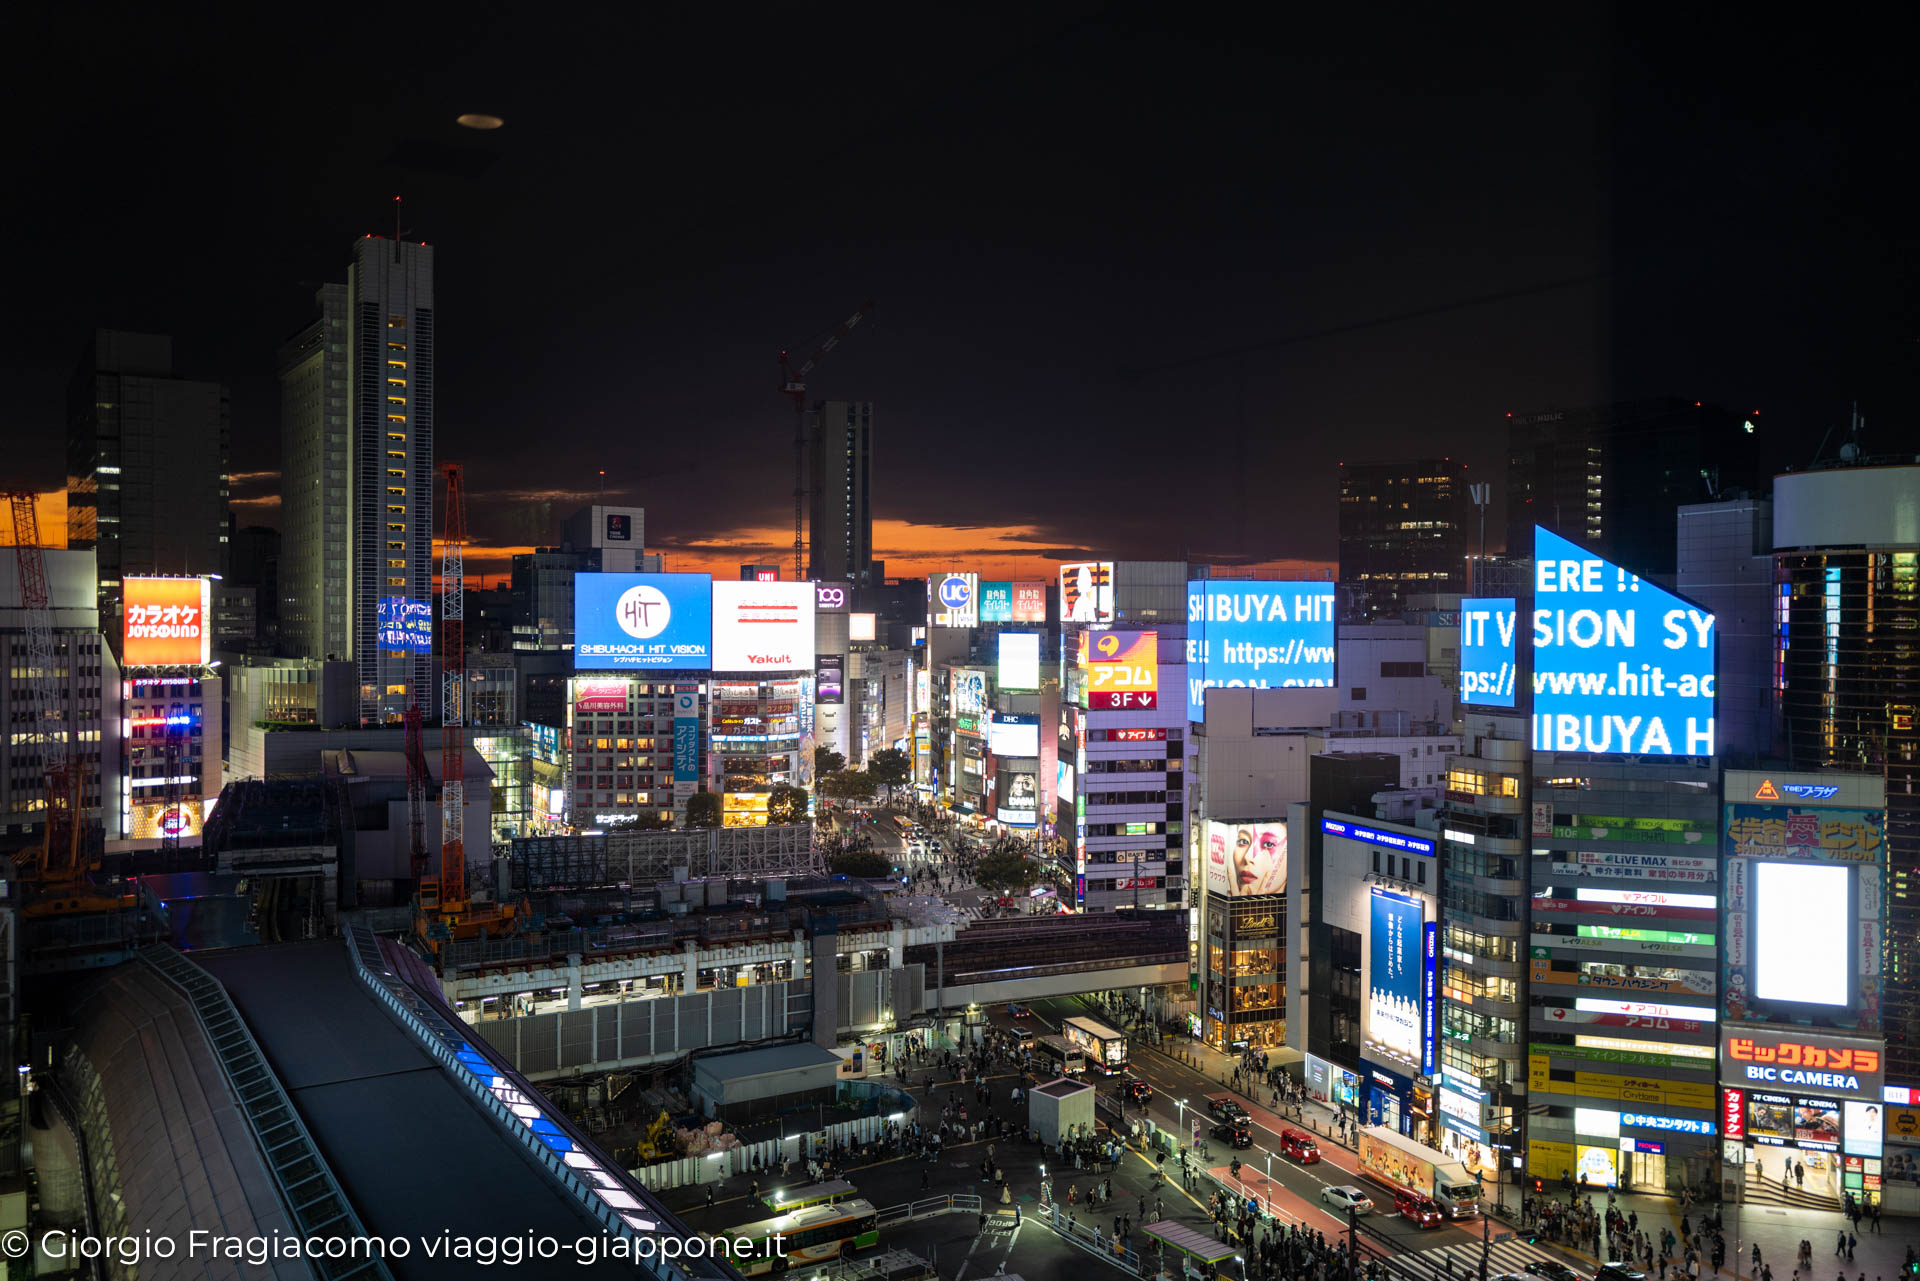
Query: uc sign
(954,592)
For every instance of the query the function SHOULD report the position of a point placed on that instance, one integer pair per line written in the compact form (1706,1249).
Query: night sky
(1142,277)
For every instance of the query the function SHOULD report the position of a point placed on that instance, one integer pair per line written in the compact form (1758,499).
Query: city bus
(787,1200)
(1065,1057)
(811,1235)
(1106,1049)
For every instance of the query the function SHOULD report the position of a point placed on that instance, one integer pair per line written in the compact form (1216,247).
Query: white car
(1347,1197)
(916,850)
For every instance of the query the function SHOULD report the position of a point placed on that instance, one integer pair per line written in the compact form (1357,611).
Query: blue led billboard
(1487,627)
(1396,966)
(405,625)
(1620,667)
(659,621)
(1262,634)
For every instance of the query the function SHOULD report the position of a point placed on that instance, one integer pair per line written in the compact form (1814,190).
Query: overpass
(1028,958)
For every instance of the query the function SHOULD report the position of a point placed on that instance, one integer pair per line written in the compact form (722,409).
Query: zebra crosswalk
(1462,1261)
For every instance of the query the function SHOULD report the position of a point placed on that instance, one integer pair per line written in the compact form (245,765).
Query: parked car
(1136,1090)
(1347,1197)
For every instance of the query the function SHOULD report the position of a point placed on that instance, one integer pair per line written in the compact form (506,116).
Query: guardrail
(313,1197)
(461,1060)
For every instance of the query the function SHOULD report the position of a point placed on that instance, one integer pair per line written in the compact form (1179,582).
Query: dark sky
(1129,264)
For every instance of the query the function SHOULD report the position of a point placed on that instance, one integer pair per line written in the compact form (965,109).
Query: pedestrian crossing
(1503,1258)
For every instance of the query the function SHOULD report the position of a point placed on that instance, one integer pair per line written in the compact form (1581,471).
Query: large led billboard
(1801,925)
(405,626)
(860,627)
(953,599)
(1086,592)
(1263,634)
(165,622)
(968,692)
(661,621)
(1391,1019)
(1804,882)
(829,682)
(1246,858)
(996,602)
(1487,667)
(1029,602)
(1017,800)
(1123,669)
(1012,735)
(1620,667)
(1020,660)
(762,627)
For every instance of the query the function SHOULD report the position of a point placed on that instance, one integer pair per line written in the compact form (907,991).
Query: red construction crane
(58,864)
(416,793)
(793,384)
(453,668)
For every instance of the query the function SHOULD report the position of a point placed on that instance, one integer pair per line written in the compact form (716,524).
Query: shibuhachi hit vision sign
(1620,667)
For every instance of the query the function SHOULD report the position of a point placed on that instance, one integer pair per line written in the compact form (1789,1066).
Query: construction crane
(57,870)
(416,792)
(453,669)
(793,384)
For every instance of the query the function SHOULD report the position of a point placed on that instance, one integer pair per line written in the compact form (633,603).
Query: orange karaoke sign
(165,622)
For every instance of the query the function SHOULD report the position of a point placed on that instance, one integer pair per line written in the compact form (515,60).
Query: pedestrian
(709,1196)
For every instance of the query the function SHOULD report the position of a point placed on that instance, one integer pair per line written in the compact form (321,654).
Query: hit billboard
(1620,667)
(1261,634)
(763,627)
(1487,667)
(662,621)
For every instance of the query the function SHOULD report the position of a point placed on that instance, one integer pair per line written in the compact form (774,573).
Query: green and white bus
(813,1234)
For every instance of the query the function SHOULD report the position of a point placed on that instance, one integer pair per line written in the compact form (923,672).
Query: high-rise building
(840,542)
(89,677)
(313,484)
(1726,566)
(147,458)
(358,402)
(1613,477)
(1403,531)
(1846,544)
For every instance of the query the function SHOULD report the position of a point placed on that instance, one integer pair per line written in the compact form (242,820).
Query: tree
(1006,869)
(890,768)
(827,761)
(866,864)
(848,785)
(703,810)
(786,804)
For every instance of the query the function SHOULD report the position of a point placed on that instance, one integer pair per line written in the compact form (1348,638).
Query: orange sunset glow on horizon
(909,549)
